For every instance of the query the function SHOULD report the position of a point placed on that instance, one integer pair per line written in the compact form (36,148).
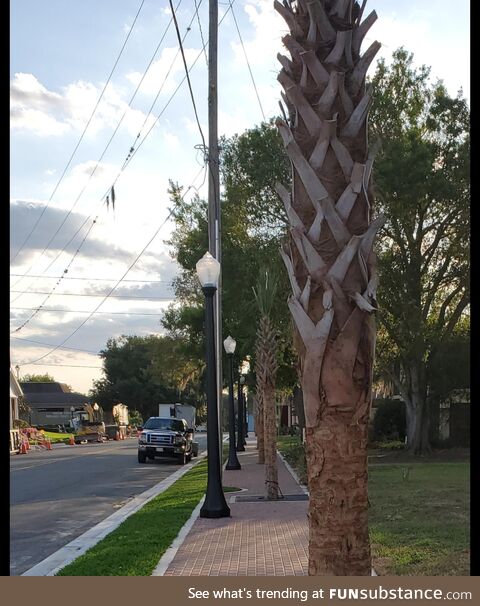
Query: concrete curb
(293,473)
(171,552)
(59,559)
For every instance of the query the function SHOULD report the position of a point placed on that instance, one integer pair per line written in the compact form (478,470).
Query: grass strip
(418,516)
(56,438)
(136,546)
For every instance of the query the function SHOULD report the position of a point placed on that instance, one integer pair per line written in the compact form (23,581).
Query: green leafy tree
(142,372)
(252,226)
(46,378)
(422,187)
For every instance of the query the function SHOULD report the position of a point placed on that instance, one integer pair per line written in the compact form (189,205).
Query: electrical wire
(82,294)
(49,345)
(201,33)
(248,63)
(92,279)
(81,136)
(83,311)
(114,287)
(131,155)
(126,162)
(103,154)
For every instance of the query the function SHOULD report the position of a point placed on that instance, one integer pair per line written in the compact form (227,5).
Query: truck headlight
(142,438)
(178,440)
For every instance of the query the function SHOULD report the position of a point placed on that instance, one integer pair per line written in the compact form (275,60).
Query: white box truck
(178,411)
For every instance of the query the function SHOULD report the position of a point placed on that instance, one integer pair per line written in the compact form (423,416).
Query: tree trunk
(298,403)
(418,421)
(332,267)
(270,431)
(337,482)
(260,429)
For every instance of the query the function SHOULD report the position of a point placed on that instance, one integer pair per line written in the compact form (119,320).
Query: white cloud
(268,29)
(168,66)
(46,113)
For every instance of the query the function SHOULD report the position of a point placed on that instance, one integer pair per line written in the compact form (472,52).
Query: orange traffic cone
(72,441)
(27,445)
(23,448)
(49,445)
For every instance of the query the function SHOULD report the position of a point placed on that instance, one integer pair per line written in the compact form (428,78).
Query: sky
(68,250)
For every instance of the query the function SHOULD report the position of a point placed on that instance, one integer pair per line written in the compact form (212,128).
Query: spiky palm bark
(266,370)
(258,409)
(331,266)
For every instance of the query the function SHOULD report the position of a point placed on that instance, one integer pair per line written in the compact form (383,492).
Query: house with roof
(16,394)
(52,403)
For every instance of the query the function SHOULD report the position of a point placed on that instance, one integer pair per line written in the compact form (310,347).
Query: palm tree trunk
(270,428)
(259,428)
(331,266)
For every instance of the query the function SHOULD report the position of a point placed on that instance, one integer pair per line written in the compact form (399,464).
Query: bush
(20,424)
(389,422)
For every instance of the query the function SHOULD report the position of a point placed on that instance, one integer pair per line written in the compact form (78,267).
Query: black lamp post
(233,462)
(215,506)
(241,417)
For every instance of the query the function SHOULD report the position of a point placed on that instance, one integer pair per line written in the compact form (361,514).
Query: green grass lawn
(419,514)
(136,546)
(57,438)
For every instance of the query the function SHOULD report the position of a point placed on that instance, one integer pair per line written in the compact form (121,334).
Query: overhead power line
(114,287)
(49,345)
(73,294)
(126,162)
(66,365)
(131,155)
(248,63)
(92,279)
(84,311)
(81,136)
(102,200)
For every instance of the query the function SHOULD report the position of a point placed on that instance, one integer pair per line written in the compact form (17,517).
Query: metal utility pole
(214,222)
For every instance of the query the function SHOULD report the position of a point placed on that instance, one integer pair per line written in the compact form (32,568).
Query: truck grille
(161,440)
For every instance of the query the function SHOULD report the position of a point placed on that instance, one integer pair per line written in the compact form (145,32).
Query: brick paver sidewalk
(266,538)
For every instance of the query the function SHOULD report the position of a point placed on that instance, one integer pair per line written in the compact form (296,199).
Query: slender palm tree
(331,265)
(258,412)
(266,370)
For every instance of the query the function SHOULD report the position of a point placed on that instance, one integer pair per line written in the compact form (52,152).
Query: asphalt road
(57,495)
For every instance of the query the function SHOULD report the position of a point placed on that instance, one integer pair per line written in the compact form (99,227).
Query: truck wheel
(182,458)
(142,457)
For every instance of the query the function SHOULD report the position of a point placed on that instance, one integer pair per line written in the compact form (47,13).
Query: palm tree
(266,370)
(331,266)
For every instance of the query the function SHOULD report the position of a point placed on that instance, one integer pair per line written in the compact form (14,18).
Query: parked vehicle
(181,411)
(165,437)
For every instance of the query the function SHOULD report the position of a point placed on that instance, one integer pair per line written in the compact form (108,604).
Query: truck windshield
(169,424)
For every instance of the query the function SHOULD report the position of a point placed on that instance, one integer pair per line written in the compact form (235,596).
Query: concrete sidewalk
(262,538)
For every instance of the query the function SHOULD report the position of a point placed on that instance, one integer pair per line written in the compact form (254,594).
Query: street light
(214,506)
(241,417)
(233,462)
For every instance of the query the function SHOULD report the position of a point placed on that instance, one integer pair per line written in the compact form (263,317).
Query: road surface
(57,495)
